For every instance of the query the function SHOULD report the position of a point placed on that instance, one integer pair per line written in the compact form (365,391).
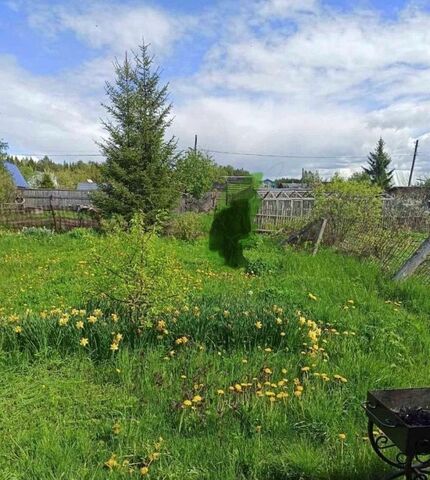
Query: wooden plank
(320,237)
(411,265)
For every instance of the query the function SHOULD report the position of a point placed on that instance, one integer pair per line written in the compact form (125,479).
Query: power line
(246,154)
(274,155)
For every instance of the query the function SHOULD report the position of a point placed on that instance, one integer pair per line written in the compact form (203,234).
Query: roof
(16,175)
(87,186)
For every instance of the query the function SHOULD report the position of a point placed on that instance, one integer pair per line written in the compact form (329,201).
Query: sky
(301,83)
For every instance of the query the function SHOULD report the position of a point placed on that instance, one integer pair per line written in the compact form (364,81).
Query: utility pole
(195,144)
(413,164)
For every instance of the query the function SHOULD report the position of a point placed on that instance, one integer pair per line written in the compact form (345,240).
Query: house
(16,175)
(267,183)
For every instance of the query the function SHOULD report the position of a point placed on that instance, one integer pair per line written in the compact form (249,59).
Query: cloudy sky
(314,83)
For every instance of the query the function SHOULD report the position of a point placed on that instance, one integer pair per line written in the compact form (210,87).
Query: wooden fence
(281,206)
(17,217)
(58,199)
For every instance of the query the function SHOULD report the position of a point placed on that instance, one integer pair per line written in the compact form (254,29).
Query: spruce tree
(137,174)
(379,162)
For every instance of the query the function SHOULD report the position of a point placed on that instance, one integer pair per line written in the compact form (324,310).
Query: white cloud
(122,28)
(40,114)
(280,76)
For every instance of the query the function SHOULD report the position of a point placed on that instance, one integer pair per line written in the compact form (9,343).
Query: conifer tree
(378,162)
(137,174)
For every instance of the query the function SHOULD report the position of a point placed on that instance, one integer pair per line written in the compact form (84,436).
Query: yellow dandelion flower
(144,471)
(267,370)
(112,462)
(18,329)
(114,346)
(79,325)
(83,342)
(342,436)
(258,325)
(312,296)
(220,392)
(114,317)
(187,403)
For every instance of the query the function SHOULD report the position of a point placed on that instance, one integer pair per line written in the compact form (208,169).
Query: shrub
(136,275)
(350,208)
(187,226)
(261,263)
(41,232)
(80,233)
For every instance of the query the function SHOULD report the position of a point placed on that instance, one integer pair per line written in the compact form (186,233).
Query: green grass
(66,409)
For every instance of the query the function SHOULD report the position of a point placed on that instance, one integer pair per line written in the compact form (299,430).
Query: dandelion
(97,312)
(197,399)
(342,436)
(79,325)
(267,371)
(220,392)
(144,471)
(278,321)
(268,350)
(114,347)
(92,319)
(244,360)
(83,342)
(112,462)
(258,325)
(312,296)
(187,403)
(18,329)
(114,317)
(305,369)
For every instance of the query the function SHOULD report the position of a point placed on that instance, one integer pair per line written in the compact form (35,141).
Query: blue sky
(288,77)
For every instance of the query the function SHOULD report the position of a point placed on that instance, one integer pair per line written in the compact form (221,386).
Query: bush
(261,258)
(351,208)
(41,232)
(80,233)
(187,226)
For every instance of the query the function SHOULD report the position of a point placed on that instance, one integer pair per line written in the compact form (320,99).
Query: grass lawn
(248,377)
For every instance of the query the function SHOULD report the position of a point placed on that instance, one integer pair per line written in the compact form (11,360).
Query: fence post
(51,206)
(320,237)
(411,265)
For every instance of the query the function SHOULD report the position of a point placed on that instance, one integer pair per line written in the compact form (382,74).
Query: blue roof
(16,175)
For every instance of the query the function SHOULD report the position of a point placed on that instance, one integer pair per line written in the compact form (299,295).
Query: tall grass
(274,366)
